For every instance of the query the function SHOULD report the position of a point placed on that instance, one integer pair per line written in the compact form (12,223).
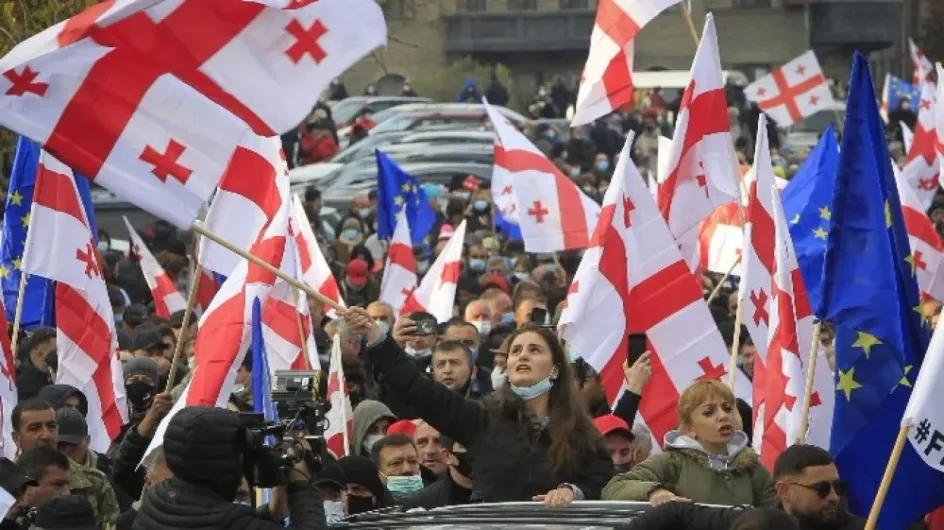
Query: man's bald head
(381,312)
(478,310)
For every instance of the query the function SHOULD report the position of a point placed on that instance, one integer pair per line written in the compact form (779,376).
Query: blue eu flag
(397,190)
(897,90)
(806,203)
(871,295)
(39,296)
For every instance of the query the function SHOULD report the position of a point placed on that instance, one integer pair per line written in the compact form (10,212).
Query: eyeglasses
(823,488)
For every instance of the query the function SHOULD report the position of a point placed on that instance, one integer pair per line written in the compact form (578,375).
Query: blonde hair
(698,393)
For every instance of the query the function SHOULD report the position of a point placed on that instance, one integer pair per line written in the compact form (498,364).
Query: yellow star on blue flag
(397,190)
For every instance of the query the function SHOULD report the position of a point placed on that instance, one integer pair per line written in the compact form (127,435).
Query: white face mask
(418,354)
(334,511)
(239,388)
(498,377)
(370,440)
(484,326)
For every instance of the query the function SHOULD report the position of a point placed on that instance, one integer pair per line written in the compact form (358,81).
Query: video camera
(271,449)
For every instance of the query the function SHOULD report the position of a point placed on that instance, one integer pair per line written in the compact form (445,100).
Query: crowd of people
(489,406)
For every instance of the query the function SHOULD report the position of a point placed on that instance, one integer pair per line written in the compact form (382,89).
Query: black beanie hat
(361,471)
(201,447)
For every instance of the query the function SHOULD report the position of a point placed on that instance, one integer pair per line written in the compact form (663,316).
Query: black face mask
(464,467)
(623,468)
(140,395)
(356,504)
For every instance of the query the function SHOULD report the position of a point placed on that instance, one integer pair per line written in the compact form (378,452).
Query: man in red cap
(360,287)
(619,441)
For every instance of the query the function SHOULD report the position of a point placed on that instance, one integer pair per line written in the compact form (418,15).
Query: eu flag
(896,90)
(871,295)
(38,298)
(806,203)
(397,190)
(261,380)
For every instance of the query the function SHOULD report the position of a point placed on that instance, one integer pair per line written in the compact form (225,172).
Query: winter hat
(200,447)
(361,471)
(141,366)
(69,512)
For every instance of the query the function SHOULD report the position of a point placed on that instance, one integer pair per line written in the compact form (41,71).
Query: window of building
(475,5)
(522,5)
(749,4)
(575,4)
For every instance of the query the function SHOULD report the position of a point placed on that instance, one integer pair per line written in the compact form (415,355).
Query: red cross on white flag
(8,390)
(341,415)
(157,128)
(920,64)
(59,246)
(315,270)
(927,250)
(632,278)
(793,91)
(399,279)
(437,291)
(922,168)
(167,299)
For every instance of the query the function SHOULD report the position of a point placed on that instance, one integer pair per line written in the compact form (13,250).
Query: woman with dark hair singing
(532,439)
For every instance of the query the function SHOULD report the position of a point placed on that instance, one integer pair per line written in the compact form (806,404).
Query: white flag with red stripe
(167,299)
(721,240)
(399,279)
(922,168)
(554,214)
(225,331)
(314,266)
(60,247)
(437,291)
(503,188)
(779,319)
(793,91)
(286,321)
(607,80)
(8,390)
(633,279)
(920,64)
(907,136)
(939,113)
(249,195)
(927,250)
(341,415)
(704,172)
(159,133)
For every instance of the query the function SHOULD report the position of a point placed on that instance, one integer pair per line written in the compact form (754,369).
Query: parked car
(347,109)
(402,110)
(804,134)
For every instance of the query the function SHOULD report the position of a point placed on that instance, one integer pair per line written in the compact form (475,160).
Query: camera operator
(202,447)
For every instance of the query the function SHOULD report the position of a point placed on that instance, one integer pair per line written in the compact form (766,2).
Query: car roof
(419,136)
(371,99)
(454,107)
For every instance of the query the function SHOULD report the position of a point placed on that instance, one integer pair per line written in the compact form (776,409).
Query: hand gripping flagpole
(810,373)
(185,323)
(201,229)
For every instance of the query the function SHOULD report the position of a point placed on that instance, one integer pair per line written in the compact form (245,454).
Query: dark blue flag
(871,295)
(38,298)
(511,230)
(397,190)
(806,203)
(261,380)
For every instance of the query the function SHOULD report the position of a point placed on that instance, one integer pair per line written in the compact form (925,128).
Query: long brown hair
(571,429)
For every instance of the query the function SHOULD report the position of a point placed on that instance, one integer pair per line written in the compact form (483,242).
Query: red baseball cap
(357,272)
(609,423)
(495,280)
(406,427)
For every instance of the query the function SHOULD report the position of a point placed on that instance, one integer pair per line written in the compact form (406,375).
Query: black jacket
(125,459)
(177,505)
(688,516)
(443,492)
(506,469)
(29,380)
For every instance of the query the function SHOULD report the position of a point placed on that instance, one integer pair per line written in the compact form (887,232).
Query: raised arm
(447,411)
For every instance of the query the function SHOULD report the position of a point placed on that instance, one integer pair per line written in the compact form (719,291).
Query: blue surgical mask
(363,213)
(550,267)
(119,317)
(464,195)
(603,165)
(103,246)
(509,263)
(523,276)
(403,486)
(477,264)
(370,440)
(480,206)
(574,172)
(384,327)
(507,318)
(351,233)
(528,393)
(422,267)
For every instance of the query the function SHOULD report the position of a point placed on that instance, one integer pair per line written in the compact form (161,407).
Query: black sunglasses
(823,488)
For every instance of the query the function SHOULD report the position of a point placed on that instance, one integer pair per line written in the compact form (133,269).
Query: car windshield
(345,110)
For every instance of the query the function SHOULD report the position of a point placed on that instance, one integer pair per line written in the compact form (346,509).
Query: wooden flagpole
(735,346)
(714,292)
(687,15)
(302,337)
(18,311)
(808,394)
(887,477)
(184,324)
(201,229)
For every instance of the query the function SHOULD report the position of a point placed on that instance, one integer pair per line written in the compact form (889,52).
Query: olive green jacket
(92,484)
(686,473)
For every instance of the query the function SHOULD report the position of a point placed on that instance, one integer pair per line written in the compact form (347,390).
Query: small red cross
(628,207)
(574,287)
(761,91)
(702,179)
(710,371)
(25,82)
(790,401)
(165,164)
(538,211)
(760,309)
(506,190)
(137,250)
(295,4)
(407,293)
(927,184)
(513,208)
(88,256)
(801,70)
(925,104)
(814,100)
(306,41)
(918,261)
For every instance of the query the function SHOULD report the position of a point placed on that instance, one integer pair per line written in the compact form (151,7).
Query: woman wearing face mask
(351,235)
(479,214)
(530,440)
(707,459)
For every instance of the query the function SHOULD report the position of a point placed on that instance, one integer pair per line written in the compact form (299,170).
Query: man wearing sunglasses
(808,489)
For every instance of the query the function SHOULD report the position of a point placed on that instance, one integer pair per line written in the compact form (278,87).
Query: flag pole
(18,311)
(735,345)
(687,15)
(184,324)
(887,477)
(810,372)
(201,229)
(342,385)
(714,292)
(303,339)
